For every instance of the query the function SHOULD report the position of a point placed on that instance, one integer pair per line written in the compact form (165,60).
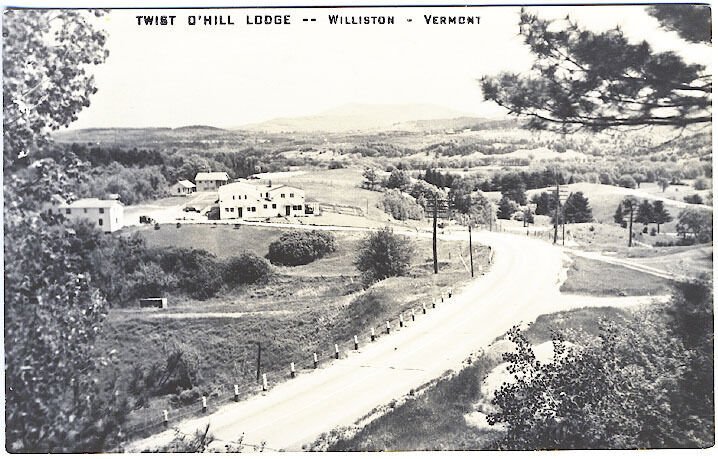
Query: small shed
(153,303)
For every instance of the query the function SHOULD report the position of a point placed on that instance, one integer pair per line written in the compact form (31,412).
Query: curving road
(522,284)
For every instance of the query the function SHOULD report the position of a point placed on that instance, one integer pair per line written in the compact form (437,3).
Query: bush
(299,247)
(199,273)
(188,396)
(384,254)
(401,207)
(693,199)
(246,268)
(627,181)
(701,184)
(334,164)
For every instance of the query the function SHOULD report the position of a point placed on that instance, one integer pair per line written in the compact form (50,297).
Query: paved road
(522,284)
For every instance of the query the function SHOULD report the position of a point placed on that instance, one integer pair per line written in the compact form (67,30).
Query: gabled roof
(92,203)
(274,188)
(247,187)
(211,176)
(186,183)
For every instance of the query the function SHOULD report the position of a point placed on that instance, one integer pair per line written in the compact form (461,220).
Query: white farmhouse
(248,200)
(106,214)
(182,188)
(210,181)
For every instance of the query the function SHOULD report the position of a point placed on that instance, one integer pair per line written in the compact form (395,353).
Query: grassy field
(297,311)
(592,277)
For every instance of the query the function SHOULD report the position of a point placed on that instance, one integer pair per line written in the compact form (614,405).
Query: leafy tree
(513,186)
(383,254)
(507,207)
(53,312)
(663,183)
(401,206)
(46,55)
(576,209)
(460,195)
(399,179)
(625,391)
(545,203)
(583,79)
(528,216)
(660,215)
(697,222)
(639,178)
(606,178)
(371,178)
(644,214)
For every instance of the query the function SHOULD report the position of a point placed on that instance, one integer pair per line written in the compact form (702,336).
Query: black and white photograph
(282,228)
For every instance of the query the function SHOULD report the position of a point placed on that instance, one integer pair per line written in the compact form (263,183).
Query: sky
(228,76)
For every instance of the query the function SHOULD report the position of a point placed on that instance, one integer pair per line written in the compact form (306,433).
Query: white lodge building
(106,214)
(248,200)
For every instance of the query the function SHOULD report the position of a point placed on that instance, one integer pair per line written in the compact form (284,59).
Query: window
(291,195)
(179,190)
(67,211)
(265,206)
(274,206)
(282,194)
(102,211)
(85,210)
(234,197)
(99,222)
(245,196)
(254,209)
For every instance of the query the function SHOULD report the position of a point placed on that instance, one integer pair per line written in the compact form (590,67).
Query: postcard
(359,228)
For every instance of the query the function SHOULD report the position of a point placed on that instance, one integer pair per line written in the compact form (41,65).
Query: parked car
(191,209)
(146,219)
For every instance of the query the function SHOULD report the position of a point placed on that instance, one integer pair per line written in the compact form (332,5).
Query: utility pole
(471,252)
(259,359)
(436,262)
(555,216)
(630,228)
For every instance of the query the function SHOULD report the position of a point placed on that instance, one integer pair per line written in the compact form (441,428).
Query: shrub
(701,184)
(693,199)
(299,247)
(246,268)
(188,396)
(334,164)
(384,254)
(627,181)
(401,207)
(681,242)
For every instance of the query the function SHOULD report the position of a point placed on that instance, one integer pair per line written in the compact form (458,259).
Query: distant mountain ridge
(365,117)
